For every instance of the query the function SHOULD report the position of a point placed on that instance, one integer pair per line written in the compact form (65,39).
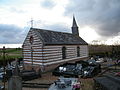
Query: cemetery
(28,80)
(51,60)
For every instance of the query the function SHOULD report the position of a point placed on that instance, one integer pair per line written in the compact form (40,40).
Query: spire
(74,22)
(75,27)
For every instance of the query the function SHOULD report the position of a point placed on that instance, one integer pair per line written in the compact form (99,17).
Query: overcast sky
(97,19)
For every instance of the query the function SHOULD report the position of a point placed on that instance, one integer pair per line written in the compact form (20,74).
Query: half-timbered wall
(84,51)
(50,54)
(36,49)
(53,54)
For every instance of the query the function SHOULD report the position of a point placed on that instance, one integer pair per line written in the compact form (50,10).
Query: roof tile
(56,38)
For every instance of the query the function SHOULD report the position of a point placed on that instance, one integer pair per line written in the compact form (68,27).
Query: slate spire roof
(58,38)
(74,22)
(75,30)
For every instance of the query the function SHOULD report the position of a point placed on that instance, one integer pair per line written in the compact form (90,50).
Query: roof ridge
(51,30)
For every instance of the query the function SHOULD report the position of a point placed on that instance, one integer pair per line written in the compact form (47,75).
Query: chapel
(45,49)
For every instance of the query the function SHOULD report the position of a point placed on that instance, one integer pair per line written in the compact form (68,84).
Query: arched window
(63,52)
(78,51)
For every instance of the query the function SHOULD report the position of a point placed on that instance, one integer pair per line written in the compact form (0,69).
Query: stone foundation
(29,67)
(49,67)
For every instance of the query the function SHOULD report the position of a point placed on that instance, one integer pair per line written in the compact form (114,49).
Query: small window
(31,39)
(63,52)
(78,51)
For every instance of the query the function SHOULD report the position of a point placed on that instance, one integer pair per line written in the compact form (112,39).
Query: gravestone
(15,82)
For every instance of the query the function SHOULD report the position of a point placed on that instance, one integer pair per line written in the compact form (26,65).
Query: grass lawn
(11,53)
(12,50)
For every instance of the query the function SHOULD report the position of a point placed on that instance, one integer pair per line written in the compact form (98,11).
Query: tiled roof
(58,38)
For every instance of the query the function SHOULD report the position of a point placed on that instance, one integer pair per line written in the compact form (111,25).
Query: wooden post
(31,42)
(4,65)
(23,57)
(32,56)
(31,23)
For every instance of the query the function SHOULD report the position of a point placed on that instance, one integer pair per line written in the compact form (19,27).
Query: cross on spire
(31,22)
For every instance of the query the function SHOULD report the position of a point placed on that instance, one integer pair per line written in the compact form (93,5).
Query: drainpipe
(23,57)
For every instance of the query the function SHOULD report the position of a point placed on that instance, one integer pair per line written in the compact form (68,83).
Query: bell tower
(75,27)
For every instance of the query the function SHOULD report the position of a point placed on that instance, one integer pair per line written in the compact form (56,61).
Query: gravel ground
(47,78)
(87,84)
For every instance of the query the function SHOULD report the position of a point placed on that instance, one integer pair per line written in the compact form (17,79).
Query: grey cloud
(102,15)
(48,4)
(11,34)
(58,27)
